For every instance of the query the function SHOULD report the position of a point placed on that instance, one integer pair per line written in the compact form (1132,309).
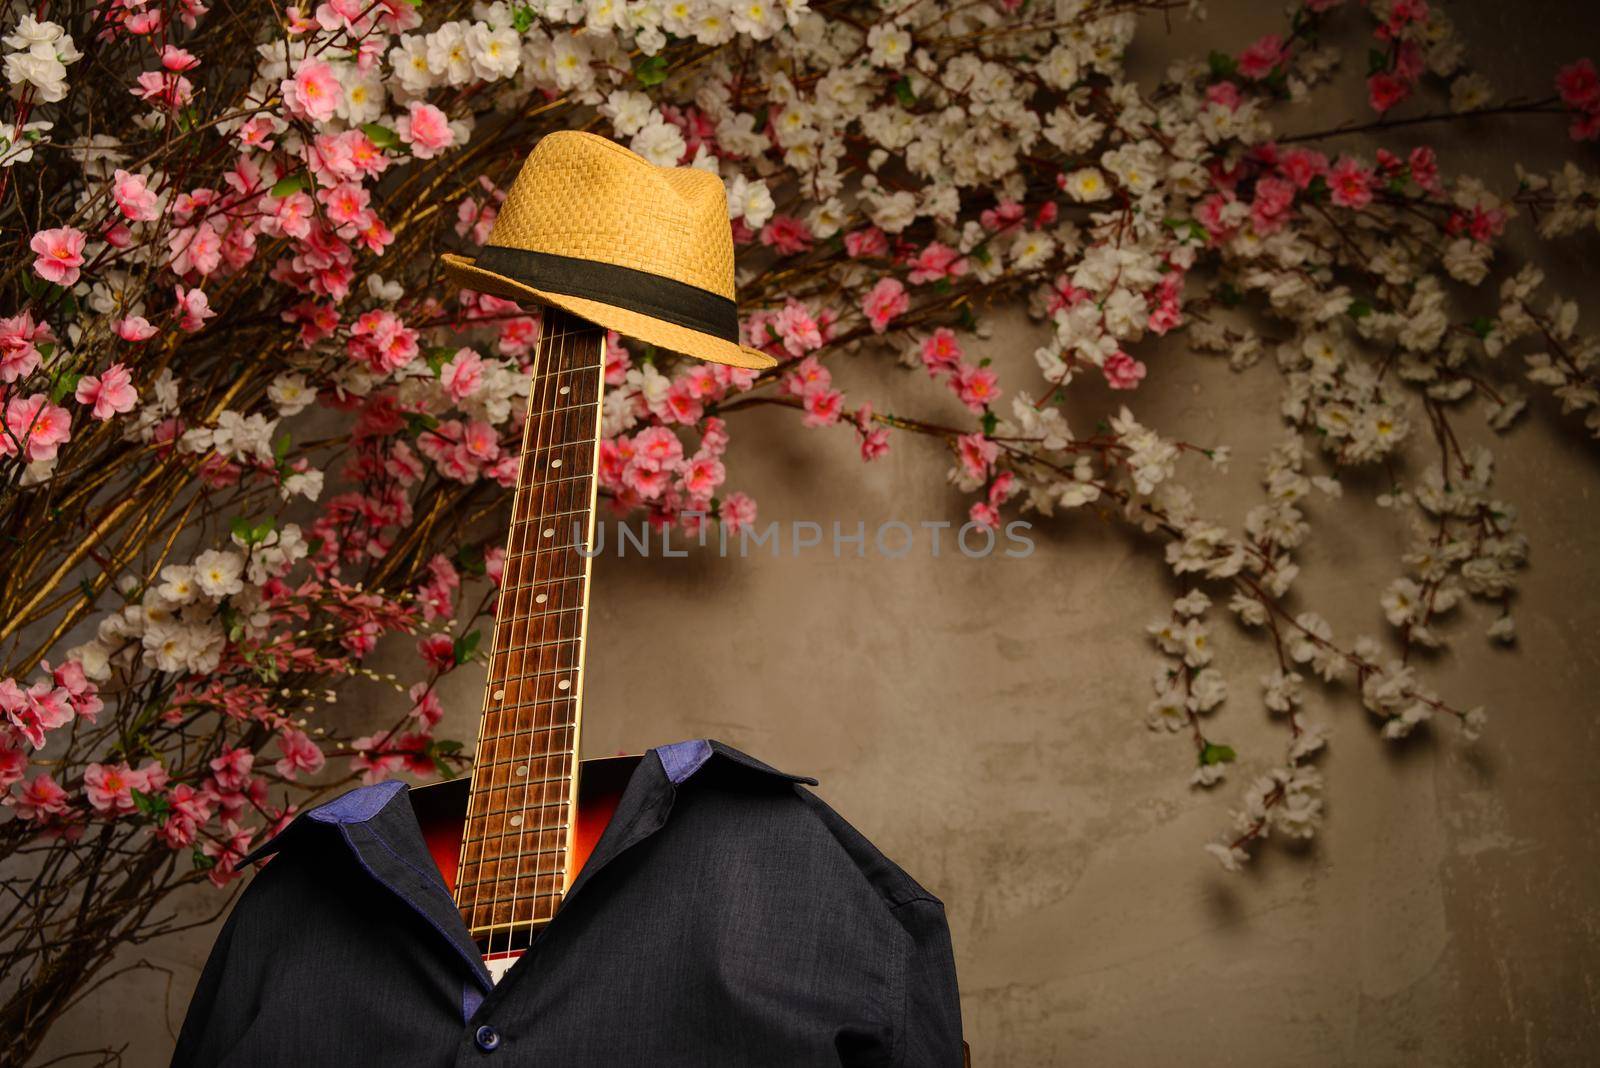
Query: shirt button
(487,1038)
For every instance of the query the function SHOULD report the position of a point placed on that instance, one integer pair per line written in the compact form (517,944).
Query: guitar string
(551,389)
(579,376)
(568,714)
(573,374)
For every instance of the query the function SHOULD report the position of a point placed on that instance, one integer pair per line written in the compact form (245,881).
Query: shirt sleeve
(932,1033)
(210,1027)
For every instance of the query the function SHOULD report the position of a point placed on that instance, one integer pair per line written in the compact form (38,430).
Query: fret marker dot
(549,532)
(499,695)
(565,684)
(516,821)
(555,463)
(522,772)
(541,599)
(565,390)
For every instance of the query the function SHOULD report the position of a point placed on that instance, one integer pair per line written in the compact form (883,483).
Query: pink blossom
(809,376)
(976,453)
(797,328)
(376,758)
(787,234)
(1302,165)
(314,93)
(1123,371)
(941,351)
(1259,60)
(108,393)
(40,799)
(300,753)
(345,202)
(193,309)
(874,439)
(227,852)
(682,403)
(110,787)
(13,759)
(884,302)
(985,515)
(60,254)
(425,703)
(1424,168)
(1350,183)
(19,355)
(703,475)
(166,89)
(822,407)
(935,262)
(35,425)
(134,328)
(426,130)
(1385,90)
(1579,85)
(231,768)
(438,651)
(738,512)
(1270,209)
(134,197)
(1225,93)
(462,376)
(866,243)
(978,387)
(195,248)
(83,695)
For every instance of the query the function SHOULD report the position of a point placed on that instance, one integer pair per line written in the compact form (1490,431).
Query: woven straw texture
(583,196)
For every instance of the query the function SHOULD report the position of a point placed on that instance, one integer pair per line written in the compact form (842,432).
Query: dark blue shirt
(726,917)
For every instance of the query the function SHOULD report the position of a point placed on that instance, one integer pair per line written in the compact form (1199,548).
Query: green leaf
(469,558)
(295,182)
(437,356)
(465,646)
(651,70)
(1482,325)
(380,134)
(1216,754)
(1222,65)
(903,93)
(1229,295)
(522,19)
(149,805)
(969,321)
(1377,60)
(1359,308)
(280,448)
(441,751)
(239,526)
(417,422)
(201,861)
(88,589)
(990,421)
(65,383)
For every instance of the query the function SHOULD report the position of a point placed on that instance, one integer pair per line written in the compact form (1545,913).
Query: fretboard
(520,816)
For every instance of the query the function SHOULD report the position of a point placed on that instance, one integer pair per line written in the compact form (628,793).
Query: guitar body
(442,811)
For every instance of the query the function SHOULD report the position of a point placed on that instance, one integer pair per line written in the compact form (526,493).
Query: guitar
(510,840)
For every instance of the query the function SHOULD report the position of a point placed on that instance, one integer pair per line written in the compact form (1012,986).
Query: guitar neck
(522,806)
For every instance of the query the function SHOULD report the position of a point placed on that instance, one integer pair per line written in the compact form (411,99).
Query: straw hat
(603,233)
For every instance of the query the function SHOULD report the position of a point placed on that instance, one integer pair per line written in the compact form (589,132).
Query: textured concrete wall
(982,722)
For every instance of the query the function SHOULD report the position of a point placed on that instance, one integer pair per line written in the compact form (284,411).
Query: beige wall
(981,721)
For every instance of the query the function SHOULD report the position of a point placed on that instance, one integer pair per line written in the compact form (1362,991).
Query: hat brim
(464,272)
